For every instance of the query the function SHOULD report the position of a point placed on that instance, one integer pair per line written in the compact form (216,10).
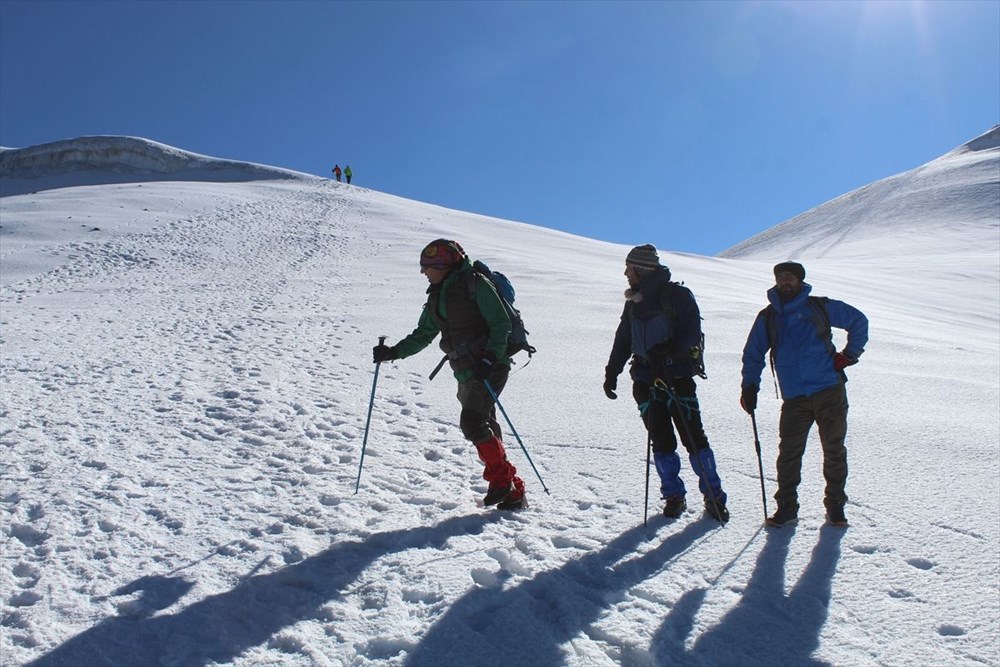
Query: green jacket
(469,325)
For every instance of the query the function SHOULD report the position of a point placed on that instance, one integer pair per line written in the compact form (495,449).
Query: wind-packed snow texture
(186,373)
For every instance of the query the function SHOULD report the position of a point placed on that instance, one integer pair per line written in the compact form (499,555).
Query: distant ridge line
(99,160)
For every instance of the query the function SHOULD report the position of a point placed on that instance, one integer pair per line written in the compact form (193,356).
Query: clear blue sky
(691,125)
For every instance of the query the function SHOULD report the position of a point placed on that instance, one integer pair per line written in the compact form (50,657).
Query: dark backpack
(697,353)
(518,338)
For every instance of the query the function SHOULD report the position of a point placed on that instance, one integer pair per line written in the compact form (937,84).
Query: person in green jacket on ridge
(348,173)
(466,310)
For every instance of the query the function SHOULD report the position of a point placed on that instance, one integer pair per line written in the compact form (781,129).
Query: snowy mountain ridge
(920,205)
(100,160)
(988,140)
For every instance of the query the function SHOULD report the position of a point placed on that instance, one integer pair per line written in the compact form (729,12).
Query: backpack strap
(823,329)
(667,306)
(771,324)
(470,283)
(666,302)
(476,273)
(666,292)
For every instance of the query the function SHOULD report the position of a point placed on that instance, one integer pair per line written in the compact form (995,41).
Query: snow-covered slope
(109,159)
(949,206)
(185,374)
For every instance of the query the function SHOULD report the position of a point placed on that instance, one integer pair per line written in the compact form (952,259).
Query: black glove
(610,384)
(481,371)
(383,352)
(748,398)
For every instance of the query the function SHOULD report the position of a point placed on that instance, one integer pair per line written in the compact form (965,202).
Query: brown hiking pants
(828,410)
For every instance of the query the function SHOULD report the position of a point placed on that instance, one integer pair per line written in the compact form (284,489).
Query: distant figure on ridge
(660,329)
(347,173)
(336,173)
(810,371)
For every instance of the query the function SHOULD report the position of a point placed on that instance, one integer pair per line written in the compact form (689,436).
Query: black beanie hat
(793,268)
(643,258)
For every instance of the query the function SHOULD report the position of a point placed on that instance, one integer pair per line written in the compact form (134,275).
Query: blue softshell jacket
(803,362)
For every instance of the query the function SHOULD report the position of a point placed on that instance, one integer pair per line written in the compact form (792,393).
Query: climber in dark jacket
(660,328)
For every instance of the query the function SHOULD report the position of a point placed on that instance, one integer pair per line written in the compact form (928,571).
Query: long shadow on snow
(528,623)
(767,627)
(221,627)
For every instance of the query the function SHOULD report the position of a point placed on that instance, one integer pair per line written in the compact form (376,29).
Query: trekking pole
(696,452)
(514,431)
(371,402)
(645,503)
(760,463)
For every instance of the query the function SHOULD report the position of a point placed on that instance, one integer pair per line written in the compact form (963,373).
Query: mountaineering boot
(717,510)
(703,463)
(497,470)
(515,501)
(674,507)
(497,494)
(835,516)
(506,489)
(786,514)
